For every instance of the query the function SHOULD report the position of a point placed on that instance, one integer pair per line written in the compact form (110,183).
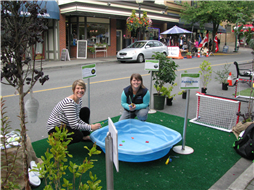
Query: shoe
(33,165)
(33,179)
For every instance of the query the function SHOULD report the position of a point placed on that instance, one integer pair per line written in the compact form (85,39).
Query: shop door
(119,40)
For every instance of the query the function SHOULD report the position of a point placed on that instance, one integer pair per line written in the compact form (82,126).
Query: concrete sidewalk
(239,177)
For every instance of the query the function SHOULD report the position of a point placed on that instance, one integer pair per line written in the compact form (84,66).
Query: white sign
(152,65)
(114,135)
(88,71)
(190,81)
(173,51)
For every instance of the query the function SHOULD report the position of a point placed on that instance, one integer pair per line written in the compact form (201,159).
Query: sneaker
(33,179)
(33,165)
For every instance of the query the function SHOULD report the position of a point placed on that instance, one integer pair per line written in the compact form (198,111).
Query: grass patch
(246,92)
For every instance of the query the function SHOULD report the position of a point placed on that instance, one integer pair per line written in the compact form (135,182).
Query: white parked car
(141,50)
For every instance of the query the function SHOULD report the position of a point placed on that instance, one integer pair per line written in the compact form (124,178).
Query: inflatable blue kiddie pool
(139,141)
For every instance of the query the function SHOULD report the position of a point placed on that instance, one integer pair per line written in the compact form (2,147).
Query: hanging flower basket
(145,21)
(133,22)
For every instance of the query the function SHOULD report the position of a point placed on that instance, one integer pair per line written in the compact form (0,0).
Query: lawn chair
(244,73)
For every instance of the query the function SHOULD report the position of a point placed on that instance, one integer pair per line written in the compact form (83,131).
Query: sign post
(111,146)
(151,65)
(88,71)
(188,81)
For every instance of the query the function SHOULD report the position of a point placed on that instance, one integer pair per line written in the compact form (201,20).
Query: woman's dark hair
(137,77)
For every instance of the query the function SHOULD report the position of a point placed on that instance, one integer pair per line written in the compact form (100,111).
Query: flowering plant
(133,22)
(145,21)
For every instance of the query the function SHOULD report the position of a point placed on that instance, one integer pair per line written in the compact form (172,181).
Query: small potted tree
(167,93)
(222,76)
(206,74)
(166,74)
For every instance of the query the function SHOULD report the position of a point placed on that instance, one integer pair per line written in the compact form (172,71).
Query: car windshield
(137,45)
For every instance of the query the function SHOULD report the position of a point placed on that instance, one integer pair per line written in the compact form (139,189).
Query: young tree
(216,12)
(21,29)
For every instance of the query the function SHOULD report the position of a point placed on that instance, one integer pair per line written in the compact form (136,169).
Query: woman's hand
(95,126)
(132,107)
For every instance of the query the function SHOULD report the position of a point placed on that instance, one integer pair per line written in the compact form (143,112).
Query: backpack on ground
(245,144)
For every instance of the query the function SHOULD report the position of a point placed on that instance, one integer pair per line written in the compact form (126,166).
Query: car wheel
(140,58)
(165,53)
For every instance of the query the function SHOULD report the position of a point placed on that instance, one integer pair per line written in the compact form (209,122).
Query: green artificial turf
(213,156)
(246,92)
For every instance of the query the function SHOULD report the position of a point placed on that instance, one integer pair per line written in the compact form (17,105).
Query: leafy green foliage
(54,166)
(8,160)
(216,12)
(205,72)
(222,75)
(166,73)
(167,91)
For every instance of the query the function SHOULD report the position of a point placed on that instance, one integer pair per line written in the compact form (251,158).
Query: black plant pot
(224,86)
(169,101)
(203,90)
(184,95)
(159,102)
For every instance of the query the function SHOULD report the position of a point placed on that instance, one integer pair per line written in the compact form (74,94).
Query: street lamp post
(139,12)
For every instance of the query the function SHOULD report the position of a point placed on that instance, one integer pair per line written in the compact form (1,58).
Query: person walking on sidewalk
(135,99)
(69,112)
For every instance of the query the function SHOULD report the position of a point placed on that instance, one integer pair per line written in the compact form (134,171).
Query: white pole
(109,161)
(184,149)
(151,85)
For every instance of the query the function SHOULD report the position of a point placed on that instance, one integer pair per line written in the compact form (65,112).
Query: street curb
(244,179)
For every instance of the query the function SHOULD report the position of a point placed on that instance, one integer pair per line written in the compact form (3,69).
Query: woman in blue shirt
(135,99)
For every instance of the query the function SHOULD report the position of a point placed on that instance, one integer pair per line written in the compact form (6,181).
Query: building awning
(207,26)
(52,9)
(50,5)
(115,10)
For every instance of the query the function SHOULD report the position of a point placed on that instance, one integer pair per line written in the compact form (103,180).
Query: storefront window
(98,31)
(152,34)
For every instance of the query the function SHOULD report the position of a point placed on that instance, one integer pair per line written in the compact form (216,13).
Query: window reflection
(97,33)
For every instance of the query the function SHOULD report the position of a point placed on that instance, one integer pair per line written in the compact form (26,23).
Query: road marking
(109,80)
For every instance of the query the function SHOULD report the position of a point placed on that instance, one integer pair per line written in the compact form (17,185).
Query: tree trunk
(23,131)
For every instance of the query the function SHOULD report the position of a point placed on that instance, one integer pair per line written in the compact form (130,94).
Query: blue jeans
(141,114)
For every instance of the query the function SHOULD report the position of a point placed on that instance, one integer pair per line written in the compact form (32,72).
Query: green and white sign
(190,81)
(88,71)
(152,65)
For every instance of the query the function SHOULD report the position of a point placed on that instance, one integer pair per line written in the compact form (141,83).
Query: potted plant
(222,76)
(183,93)
(188,55)
(206,74)
(91,49)
(169,95)
(166,74)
